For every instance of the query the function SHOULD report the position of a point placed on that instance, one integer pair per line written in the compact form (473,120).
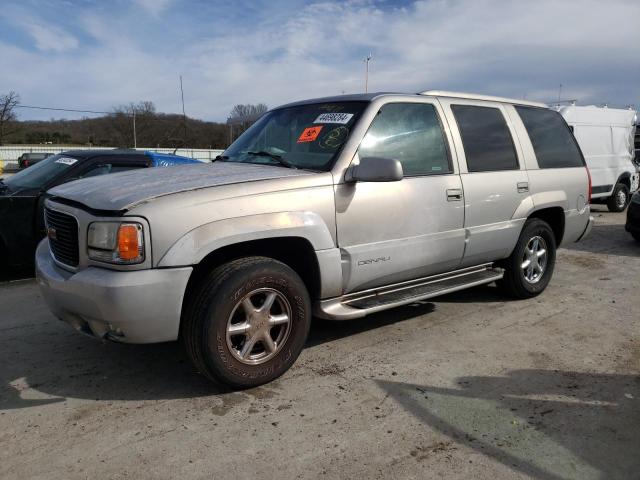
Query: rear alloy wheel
(619,199)
(247,322)
(529,268)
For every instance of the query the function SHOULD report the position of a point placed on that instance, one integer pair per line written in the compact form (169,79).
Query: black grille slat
(65,244)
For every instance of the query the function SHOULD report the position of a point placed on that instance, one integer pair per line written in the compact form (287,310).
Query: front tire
(530,267)
(248,322)
(619,199)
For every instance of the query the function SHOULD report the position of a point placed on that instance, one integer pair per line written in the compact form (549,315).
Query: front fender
(198,243)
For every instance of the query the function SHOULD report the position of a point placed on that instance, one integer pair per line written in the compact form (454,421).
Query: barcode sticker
(334,118)
(67,160)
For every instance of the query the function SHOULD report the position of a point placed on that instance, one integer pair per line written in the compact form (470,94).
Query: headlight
(115,242)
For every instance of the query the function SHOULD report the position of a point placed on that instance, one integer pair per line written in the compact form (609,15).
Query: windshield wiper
(220,157)
(273,156)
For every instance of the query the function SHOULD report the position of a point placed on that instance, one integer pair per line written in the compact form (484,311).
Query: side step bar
(361,304)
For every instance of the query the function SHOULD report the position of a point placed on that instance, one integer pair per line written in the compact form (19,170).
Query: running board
(360,304)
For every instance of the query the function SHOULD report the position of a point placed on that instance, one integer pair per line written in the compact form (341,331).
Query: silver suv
(336,207)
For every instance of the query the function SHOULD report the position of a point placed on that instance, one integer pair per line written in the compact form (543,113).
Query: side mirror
(375,169)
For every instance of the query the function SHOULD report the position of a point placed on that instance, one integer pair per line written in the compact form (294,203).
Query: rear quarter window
(552,140)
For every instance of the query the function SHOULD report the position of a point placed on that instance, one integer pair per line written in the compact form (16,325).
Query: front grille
(62,230)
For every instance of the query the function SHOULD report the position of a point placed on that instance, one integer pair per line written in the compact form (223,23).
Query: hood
(121,191)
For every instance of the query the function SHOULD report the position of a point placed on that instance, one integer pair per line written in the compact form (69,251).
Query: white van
(606,138)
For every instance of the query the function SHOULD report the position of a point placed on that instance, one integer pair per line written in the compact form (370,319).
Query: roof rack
(474,96)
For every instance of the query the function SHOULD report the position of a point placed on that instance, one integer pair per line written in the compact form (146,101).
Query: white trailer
(606,138)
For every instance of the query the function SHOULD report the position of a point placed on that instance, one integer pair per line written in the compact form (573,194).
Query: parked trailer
(606,138)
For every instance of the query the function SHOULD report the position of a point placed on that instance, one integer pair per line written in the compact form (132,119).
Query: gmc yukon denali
(336,207)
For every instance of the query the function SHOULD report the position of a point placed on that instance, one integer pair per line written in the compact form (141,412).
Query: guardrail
(9,154)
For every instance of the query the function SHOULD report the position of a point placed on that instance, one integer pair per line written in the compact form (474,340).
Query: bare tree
(8,103)
(124,118)
(242,116)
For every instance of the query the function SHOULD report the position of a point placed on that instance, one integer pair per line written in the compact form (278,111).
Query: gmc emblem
(52,234)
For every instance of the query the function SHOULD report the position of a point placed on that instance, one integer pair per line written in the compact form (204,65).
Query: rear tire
(530,267)
(247,322)
(619,199)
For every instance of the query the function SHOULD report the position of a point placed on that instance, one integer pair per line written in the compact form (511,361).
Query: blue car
(22,195)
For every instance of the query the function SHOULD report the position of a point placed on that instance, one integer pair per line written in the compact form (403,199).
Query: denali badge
(52,234)
(373,260)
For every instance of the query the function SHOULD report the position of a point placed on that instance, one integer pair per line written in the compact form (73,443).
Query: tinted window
(486,138)
(552,141)
(410,133)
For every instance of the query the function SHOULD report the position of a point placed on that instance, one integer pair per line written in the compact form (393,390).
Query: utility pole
(559,93)
(184,115)
(366,76)
(135,140)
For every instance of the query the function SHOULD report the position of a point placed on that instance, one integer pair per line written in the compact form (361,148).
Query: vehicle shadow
(548,424)
(50,363)
(607,239)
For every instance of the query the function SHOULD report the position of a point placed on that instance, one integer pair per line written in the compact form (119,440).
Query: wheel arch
(296,252)
(554,216)
(625,179)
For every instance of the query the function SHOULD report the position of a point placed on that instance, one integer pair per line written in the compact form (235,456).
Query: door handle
(454,194)
(523,187)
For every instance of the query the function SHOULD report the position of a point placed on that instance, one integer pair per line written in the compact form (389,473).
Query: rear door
(494,179)
(394,231)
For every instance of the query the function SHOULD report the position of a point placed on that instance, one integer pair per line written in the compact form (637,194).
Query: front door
(390,232)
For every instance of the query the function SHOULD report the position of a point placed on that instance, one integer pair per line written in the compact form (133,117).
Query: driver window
(410,133)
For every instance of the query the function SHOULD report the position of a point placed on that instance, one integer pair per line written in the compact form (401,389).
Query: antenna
(366,77)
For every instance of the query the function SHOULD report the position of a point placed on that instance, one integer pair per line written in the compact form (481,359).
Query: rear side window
(553,142)
(410,133)
(486,139)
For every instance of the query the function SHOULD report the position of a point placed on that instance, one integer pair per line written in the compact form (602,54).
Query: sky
(96,55)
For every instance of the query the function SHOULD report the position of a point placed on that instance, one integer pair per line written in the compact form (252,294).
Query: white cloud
(49,38)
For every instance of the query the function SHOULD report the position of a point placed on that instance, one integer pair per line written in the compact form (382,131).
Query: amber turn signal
(128,242)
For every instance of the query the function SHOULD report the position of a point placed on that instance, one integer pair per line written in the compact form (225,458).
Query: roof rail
(474,96)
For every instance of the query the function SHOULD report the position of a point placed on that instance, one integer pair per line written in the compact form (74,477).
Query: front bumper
(139,306)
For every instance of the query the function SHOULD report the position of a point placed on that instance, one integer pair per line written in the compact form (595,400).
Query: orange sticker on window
(309,134)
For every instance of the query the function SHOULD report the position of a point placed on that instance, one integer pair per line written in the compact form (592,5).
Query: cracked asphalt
(470,385)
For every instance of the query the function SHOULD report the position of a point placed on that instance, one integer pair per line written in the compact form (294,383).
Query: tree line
(134,124)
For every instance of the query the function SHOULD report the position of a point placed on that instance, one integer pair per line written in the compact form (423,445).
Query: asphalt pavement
(470,385)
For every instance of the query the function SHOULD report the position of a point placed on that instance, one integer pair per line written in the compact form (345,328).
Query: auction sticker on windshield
(309,134)
(334,118)
(67,160)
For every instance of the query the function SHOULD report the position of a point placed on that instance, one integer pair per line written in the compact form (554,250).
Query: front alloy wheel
(247,321)
(259,326)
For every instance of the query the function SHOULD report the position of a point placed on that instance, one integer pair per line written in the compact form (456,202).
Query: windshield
(306,136)
(40,173)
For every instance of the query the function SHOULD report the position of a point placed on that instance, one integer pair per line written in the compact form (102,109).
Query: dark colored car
(22,195)
(633,217)
(28,159)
